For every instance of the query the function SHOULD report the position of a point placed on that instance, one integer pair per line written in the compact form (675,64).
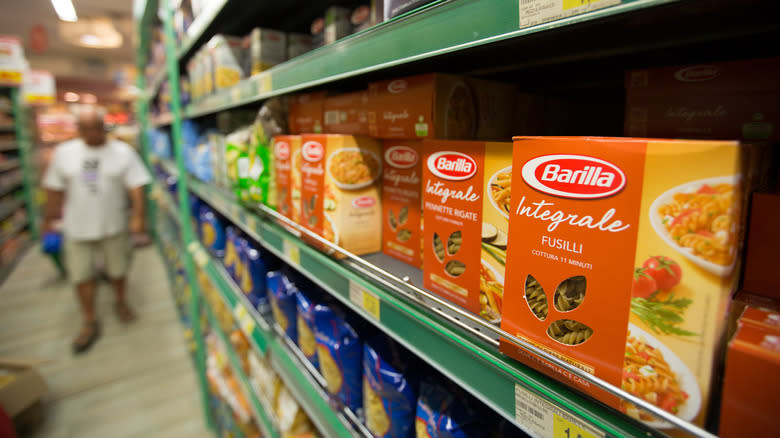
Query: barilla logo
(312,151)
(360,15)
(364,202)
(317,26)
(697,73)
(397,86)
(573,176)
(453,166)
(282,150)
(401,157)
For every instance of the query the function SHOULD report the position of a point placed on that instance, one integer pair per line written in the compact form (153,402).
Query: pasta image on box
(305,111)
(340,190)
(402,200)
(287,159)
(466,195)
(622,260)
(440,106)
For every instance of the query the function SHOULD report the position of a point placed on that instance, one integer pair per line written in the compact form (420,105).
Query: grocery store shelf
(197,30)
(13,206)
(162,120)
(261,417)
(169,167)
(7,147)
(154,85)
(164,200)
(7,268)
(305,383)
(17,227)
(7,128)
(461,346)
(11,164)
(10,187)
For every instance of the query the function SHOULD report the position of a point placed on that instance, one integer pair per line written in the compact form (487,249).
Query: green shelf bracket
(25,156)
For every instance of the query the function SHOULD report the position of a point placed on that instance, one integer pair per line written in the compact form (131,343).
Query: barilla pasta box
(622,259)
(466,195)
(346,113)
(287,159)
(440,106)
(402,200)
(304,115)
(340,190)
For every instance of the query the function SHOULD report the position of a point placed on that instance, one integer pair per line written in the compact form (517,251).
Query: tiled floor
(136,381)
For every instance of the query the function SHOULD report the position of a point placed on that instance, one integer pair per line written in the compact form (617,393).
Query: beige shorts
(80,257)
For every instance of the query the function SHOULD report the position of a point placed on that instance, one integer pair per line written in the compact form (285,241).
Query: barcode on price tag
(292,252)
(544,419)
(365,299)
(533,12)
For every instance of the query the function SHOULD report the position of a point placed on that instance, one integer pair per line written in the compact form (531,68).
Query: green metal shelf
(16,229)
(7,147)
(474,364)
(15,205)
(7,268)
(154,86)
(198,27)
(12,164)
(7,188)
(165,201)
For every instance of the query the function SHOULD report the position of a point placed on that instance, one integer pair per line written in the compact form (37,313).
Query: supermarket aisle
(136,381)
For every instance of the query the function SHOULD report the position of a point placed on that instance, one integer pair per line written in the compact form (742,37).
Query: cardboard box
(748,308)
(725,100)
(346,113)
(340,190)
(305,113)
(763,240)
(402,200)
(287,159)
(466,186)
(394,8)
(265,48)
(298,44)
(607,237)
(228,57)
(750,388)
(21,386)
(440,106)
(337,24)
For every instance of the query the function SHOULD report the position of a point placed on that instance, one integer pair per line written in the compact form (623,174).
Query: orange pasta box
(402,200)
(466,196)
(622,260)
(305,111)
(341,191)
(346,113)
(750,387)
(287,160)
(437,105)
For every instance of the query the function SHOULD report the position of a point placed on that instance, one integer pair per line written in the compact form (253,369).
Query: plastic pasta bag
(444,411)
(340,356)
(281,294)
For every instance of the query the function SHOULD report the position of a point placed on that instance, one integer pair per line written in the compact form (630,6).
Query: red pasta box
(341,196)
(466,196)
(402,200)
(305,113)
(622,259)
(751,392)
(287,160)
(346,113)
(763,240)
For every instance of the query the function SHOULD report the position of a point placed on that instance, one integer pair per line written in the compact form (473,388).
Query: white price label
(201,257)
(365,299)
(543,419)
(264,84)
(292,252)
(244,319)
(533,12)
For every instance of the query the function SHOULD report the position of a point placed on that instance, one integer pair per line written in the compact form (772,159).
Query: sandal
(90,333)
(124,313)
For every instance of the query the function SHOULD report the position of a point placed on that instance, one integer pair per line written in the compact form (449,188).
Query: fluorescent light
(71,96)
(90,40)
(65,10)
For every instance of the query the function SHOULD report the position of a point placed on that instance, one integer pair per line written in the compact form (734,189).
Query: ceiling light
(89,40)
(71,96)
(65,10)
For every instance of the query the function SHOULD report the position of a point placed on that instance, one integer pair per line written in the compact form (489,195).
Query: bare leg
(122,307)
(86,292)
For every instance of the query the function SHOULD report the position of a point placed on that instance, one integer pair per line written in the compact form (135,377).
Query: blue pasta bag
(253,275)
(307,342)
(195,204)
(212,230)
(389,389)
(340,356)
(444,411)
(231,259)
(281,294)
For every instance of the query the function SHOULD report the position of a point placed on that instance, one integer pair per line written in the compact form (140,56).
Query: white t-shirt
(95,180)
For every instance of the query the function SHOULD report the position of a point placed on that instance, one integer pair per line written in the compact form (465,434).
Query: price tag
(244,318)
(192,247)
(365,299)
(571,4)
(251,223)
(264,84)
(535,12)
(292,252)
(201,257)
(540,417)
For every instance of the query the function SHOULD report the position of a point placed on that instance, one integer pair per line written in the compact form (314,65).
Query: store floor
(137,381)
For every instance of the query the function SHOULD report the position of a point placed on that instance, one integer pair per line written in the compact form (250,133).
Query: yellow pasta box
(287,159)
(466,195)
(340,190)
(402,200)
(622,259)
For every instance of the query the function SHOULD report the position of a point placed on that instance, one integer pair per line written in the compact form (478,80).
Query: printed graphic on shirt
(90,174)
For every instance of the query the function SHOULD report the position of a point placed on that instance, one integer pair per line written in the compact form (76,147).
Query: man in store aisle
(93,176)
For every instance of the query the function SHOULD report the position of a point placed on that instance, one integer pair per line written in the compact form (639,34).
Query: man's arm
(137,220)
(53,208)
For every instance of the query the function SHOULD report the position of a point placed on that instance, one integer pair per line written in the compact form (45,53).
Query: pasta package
(389,390)
(287,159)
(466,195)
(305,113)
(346,113)
(340,190)
(232,254)
(307,341)
(441,106)
(340,356)
(281,293)
(227,54)
(252,278)
(212,230)
(237,163)
(646,231)
(444,411)
(402,200)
